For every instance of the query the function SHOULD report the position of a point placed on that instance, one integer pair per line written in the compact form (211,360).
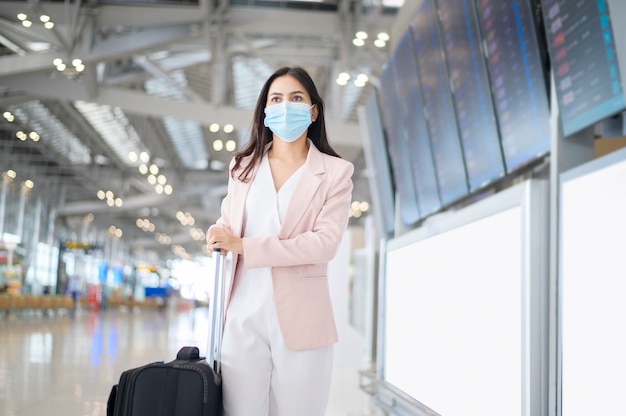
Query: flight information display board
(582,50)
(406,198)
(439,110)
(517,79)
(471,92)
(415,129)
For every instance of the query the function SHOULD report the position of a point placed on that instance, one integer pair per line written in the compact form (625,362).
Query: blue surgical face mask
(288,120)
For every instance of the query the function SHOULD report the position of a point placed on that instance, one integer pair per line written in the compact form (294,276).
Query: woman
(283,219)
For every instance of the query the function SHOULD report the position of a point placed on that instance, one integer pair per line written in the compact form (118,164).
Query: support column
(6,180)
(566,153)
(20,212)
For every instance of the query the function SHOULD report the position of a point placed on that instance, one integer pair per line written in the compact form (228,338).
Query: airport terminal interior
(481,271)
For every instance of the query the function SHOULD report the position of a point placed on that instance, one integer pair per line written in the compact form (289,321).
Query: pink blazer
(312,229)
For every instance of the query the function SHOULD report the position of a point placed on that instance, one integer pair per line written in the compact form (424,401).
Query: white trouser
(260,375)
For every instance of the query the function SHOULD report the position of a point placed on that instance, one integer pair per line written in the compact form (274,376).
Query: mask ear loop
(313,119)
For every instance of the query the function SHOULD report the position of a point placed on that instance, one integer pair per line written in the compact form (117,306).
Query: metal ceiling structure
(126,112)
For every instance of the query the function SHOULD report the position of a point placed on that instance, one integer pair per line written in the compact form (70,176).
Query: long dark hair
(260,135)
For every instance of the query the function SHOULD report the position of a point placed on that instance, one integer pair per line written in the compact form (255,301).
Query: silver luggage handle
(217,315)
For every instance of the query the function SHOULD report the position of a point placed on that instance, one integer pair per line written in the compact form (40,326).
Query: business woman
(283,219)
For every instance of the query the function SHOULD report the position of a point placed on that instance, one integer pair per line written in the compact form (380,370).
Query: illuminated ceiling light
(109,194)
(180,215)
(355,205)
(167,189)
(384,36)
(152,179)
(361,80)
(21,135)
(22,16)
(80,68)
(57,61)
(48,25)
(361,35)
(343,78)
(77,62)
(61,67)
(112,229)
(161,179)
(29,184)
(110,202)
(144,157)
(34,136)
(231,145)
(228,128)
(218,145)
(27,23)
(364,206)
(118,202)
(44,18)
(154,169)
(158,189)
(358,42)
(143,169)
(101,195)
(132,156)
(8,116)
(118,233)
(11,174)
(214,128)
(379,43)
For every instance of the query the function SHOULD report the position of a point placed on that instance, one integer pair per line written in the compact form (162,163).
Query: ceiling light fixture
(231,145)
(8,116)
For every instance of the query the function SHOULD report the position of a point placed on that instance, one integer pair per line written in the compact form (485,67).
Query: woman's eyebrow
(291,93)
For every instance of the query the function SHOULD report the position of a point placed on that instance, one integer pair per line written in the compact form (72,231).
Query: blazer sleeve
(224,221)
(316,243)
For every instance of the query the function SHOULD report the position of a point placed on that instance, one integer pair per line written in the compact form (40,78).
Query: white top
(265,208)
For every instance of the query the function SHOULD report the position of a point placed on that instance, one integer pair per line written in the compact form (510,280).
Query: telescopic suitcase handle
(217,315)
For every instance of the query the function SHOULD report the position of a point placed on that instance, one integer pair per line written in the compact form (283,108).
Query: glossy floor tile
(65,364)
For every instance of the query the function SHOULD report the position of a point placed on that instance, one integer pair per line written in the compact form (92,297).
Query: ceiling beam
(109,49)
(136,102)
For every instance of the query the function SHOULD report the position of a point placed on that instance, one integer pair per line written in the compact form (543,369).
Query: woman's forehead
(287,84)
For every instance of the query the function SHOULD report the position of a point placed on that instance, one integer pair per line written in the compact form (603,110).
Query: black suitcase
(187,386)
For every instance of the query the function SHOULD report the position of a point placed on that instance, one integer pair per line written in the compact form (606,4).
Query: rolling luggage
(190,385)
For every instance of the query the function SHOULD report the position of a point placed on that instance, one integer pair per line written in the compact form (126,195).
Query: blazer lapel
(309,182)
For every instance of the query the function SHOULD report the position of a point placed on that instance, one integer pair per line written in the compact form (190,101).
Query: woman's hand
(217,238)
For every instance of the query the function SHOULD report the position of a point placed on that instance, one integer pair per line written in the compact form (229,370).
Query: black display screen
(406,197)
(582,50)
(439,110)
(471,92)
(517,79)
(415,129)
